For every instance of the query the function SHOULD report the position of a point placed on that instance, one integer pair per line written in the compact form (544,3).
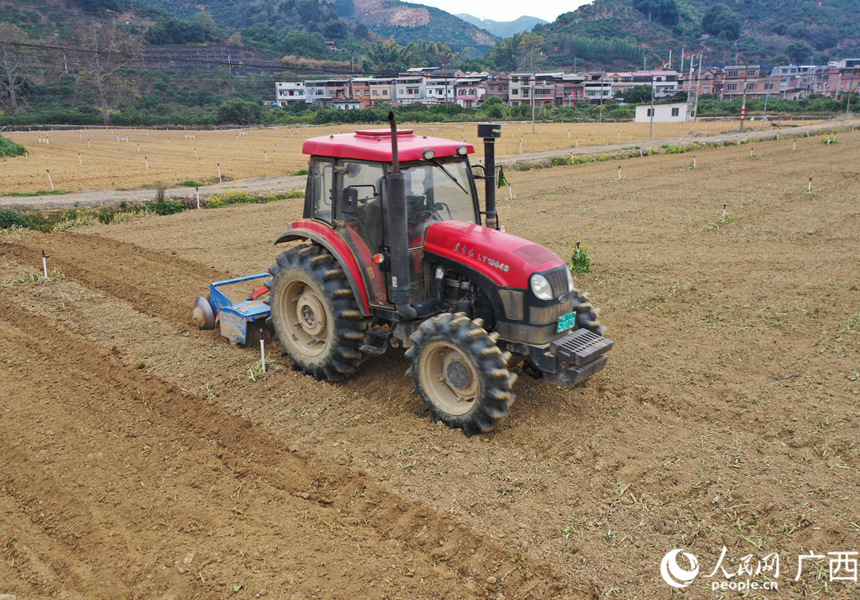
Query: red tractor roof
(375,145)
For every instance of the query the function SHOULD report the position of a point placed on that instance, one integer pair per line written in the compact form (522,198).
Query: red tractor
(392,252)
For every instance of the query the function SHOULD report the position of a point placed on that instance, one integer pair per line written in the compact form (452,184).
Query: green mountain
(504,28)
(626,33)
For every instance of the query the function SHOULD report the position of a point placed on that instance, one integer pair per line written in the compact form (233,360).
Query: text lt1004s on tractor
(392,253)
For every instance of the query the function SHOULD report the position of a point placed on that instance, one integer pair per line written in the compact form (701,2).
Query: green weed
(580,262)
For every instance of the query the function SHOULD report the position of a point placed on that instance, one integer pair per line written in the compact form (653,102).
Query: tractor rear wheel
(315,314)
(461,374)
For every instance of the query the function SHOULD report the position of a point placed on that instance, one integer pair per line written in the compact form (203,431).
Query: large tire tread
(495,395)
(341,357)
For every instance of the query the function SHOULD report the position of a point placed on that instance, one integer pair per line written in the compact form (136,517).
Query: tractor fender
(328,239)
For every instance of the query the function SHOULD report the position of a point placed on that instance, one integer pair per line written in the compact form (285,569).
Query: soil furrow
(154,283)
(192,463)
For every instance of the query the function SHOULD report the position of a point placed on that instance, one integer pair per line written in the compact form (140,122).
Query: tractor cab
(347,190)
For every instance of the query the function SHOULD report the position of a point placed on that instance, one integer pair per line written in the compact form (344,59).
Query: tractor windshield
(439,190)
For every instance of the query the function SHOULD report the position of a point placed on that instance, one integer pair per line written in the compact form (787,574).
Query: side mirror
(349,205)
(500,177)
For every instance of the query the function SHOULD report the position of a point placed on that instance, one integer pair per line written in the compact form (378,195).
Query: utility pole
(698,87)
(652,105)
(744,101)
(534,83)
(766,96)
(600,117)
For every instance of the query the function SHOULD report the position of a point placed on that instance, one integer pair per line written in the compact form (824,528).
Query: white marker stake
(45,263)
(198,196)
(51,179)
(263,350)
(88,143)
(80,160)
(147,162)
(808,189)
(724,211)
(266,155)
(619,172)
(197,156)
(219,173)
(794,146)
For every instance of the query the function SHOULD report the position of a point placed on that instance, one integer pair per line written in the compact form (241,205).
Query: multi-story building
(597,88)
(569,89)
(844,77)
(469,91)
(289,92)
(431,85)
(497,86)
(440,90)
(369,91)
(325,92)
(409,89)
(520,87)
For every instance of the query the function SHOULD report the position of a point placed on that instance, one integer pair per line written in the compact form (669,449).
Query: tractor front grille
(558,281)
(541,315)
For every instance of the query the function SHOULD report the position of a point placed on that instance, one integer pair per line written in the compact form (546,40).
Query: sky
(506,10)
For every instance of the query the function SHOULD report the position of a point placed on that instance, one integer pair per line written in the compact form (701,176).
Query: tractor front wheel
(461,374)
(315,314)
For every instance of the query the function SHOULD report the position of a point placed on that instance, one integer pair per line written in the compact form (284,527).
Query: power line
(243,64)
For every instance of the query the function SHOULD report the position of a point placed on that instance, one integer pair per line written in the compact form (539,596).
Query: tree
(385,55)
(101,54)
(529,55)
(298,43)
(504,53)
(493,107)
(638,94)
(664,11)
(720,20)
(799,52)
(239,112)
(13,62)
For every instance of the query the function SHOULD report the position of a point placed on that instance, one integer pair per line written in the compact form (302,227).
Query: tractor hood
(506,259)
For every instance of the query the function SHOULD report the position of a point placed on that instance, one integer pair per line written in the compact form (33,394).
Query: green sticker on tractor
(566,322)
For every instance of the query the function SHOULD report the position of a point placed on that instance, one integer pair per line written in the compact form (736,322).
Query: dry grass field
(94,159)
(142,458)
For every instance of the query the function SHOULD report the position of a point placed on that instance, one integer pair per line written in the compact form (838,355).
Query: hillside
(414,22)
(504,28)
(57,18)
(731,30)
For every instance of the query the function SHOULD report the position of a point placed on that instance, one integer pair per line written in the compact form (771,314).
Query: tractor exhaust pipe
(401,289)
(489,132)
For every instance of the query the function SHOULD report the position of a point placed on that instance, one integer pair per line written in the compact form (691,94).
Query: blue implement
(237,318)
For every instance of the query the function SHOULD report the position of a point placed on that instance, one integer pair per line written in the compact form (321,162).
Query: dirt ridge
(248,452)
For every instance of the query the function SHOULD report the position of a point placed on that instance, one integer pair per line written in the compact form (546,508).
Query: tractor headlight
(569,280)
(541,288)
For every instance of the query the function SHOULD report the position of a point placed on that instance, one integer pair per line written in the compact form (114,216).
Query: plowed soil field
(142,458)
